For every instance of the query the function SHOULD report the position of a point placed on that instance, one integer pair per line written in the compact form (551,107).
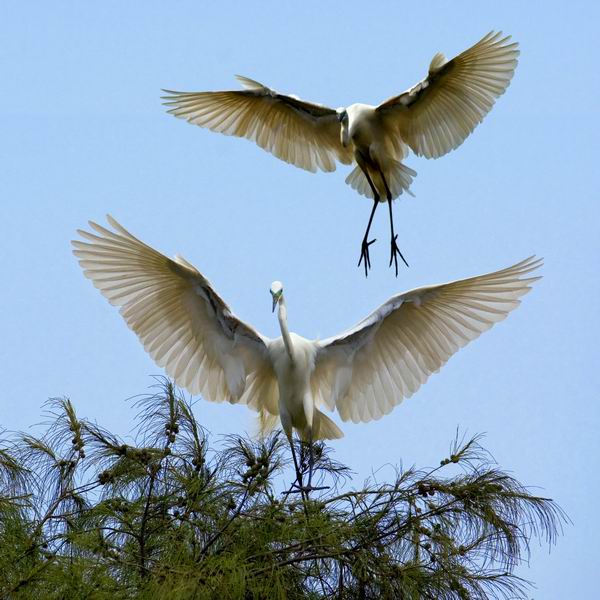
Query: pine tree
(85,515)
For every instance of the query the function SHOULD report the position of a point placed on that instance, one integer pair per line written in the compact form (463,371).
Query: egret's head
(342,115)
(276,293)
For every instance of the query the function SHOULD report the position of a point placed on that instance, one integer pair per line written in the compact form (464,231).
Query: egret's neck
(344,134)
(285,332)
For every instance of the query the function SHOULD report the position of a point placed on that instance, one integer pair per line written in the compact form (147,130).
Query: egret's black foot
(395,253)
(364,255)
(299,489)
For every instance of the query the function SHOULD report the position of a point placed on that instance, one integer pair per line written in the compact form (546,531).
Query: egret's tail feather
(325,428)
(267,422)
(398,177)
(357,181)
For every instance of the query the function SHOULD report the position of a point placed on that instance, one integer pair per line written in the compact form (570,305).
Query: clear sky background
(83,133)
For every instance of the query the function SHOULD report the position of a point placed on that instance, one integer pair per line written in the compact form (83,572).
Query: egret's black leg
(311,465)
(311,459)
(395,251)
(296,466)
(364,251)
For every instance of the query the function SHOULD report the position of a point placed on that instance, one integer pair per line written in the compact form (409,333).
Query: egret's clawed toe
(364,255)
(296,488)
(395,252)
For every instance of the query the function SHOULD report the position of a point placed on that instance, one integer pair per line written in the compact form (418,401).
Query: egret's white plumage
(431,118)
(363,373)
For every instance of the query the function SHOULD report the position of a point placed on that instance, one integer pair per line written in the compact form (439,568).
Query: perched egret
(363,373)
(431,118)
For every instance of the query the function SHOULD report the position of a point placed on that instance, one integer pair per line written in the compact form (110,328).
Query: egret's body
(431,118)
(293,372)
(293,358)
(376,153)
(365,130)
(363,373)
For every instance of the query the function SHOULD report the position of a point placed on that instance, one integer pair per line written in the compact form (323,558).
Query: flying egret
(431,118)
(363,373)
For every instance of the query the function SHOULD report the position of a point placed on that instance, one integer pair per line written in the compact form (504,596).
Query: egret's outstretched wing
(182,322)
(436,115)
(301,133)
(371,368)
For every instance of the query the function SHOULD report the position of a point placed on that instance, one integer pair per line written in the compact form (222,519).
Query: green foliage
(85,515)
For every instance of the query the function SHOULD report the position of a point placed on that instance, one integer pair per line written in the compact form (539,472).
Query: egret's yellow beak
(276,298)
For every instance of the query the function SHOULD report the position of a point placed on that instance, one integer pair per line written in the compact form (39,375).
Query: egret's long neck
(285,332)
(344,134)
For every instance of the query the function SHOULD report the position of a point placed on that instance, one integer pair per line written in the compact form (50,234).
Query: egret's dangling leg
(296,465)
(364,251)
(309,413)
(311,465)
(286,423)
(394,250)
(287,426)
(311,459)
(298,484)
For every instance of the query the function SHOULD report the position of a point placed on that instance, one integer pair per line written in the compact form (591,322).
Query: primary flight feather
(362,373)
(431,118)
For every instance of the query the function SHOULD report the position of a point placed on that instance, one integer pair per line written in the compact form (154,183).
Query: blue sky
(84,133)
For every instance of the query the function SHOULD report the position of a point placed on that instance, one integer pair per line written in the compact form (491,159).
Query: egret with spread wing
(431,118)
(363,373)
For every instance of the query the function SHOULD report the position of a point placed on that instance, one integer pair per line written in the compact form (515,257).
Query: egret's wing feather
(302,133)
(437,114)
(372,367)
(180,319)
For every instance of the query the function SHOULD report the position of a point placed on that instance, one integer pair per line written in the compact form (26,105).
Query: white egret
(431,118)
(363,373)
